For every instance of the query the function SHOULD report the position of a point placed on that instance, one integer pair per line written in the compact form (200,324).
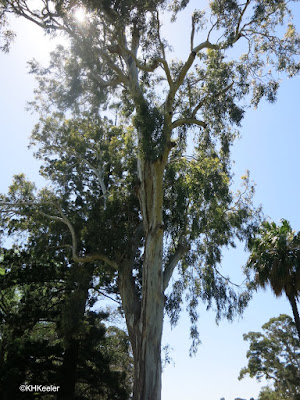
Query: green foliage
(42,311)
(275,257)
(149,122)
(274,355)
(267,393)
(120,190)
(200,186)
(198,204)
(6,35)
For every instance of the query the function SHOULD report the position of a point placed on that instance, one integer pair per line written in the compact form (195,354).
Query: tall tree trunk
(147,382)
(293,303)
(68,371)
(144,311)
(72,324)
(144,319)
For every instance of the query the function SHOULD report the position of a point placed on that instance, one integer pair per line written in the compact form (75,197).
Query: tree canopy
(51,335)
(275,259)
(275,355)
(137,200)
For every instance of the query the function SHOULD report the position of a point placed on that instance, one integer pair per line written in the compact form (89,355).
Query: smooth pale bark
(148,356)
(145,323)
(144,312)
(147,383)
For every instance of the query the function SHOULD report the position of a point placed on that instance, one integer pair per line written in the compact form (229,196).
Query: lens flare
(80,14)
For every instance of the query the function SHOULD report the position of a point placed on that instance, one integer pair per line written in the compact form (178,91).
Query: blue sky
(269,148)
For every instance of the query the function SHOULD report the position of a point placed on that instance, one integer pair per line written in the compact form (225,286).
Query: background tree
(135,199)
(267,393)
(275,259)
(50,335)
(275,355)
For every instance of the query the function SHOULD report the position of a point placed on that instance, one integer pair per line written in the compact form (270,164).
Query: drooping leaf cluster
(275,258)
(214,219)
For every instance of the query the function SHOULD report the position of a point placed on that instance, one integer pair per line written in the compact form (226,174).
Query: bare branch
(192,33)
(188,121)
(205,45)
(50,217)
(121,76)
(96,257)
(164,58)
(184,70)
(105,295)
(228,280)
(135,41)
(241,17)
(215,95)
(37,19)
(173,261)
(211,29)
(110,83)
(99,172)
(86,258)
(63,219)
(151,66)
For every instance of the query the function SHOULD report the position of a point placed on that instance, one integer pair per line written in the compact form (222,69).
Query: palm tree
(275,259)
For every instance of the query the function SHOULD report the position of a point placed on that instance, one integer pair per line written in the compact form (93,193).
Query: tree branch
(110,83)
(86,258)
(99,172)
(96,257)
(184,70)
(163,60)
(215,95)
(37,19)
(148,67)
(192,33)
(121,76)
(173,261)
(105,295)
(63,219)
(188,121)
(241,17)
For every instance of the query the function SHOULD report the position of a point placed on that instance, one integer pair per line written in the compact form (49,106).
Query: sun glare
(80,14)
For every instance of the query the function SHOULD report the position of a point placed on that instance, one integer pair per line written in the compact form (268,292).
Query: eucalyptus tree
(134,198)
(275,259)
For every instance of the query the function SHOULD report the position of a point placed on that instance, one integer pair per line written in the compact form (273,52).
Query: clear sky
(269,148)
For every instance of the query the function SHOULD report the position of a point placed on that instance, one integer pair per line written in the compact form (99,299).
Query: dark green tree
(275,259)
(275,355)
(49,335)
(267,393)
(134,199)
